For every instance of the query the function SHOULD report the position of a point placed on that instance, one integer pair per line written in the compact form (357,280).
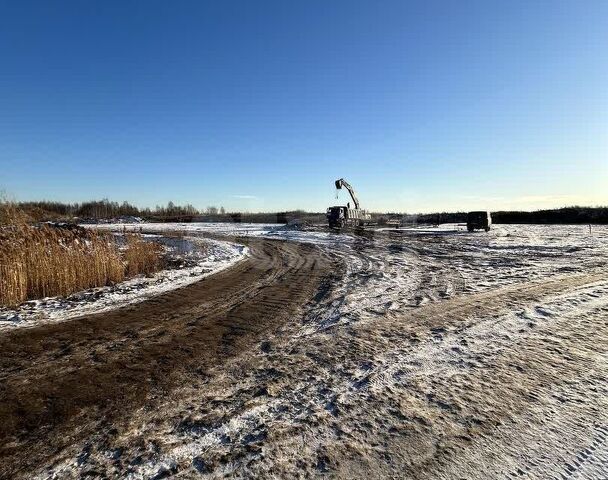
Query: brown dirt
(62,382)
(410,395)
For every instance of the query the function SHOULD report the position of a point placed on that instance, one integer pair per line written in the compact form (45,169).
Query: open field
(424,353)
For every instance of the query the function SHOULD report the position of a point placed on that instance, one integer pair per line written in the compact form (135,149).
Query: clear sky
(260,105)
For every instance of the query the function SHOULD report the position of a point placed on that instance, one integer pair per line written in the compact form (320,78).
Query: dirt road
(61,383)
(425,356)
(487,385)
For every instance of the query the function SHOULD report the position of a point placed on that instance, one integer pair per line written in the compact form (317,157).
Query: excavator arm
(343,183)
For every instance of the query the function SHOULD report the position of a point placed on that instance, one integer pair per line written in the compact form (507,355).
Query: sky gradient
(259,106)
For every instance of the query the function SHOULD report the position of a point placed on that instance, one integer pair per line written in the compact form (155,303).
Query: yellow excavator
(345,216)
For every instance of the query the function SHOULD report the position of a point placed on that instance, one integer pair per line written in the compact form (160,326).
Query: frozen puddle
(196,258)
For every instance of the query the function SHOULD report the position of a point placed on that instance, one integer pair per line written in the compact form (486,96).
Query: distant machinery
(343,216)
(479,220)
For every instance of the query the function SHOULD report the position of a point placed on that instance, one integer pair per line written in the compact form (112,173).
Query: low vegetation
(43,261)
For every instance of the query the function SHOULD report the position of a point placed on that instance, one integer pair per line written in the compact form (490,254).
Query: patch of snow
(267,230)
(242,229)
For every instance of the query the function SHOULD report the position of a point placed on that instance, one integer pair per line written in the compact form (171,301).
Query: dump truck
(344,216)
(479,220)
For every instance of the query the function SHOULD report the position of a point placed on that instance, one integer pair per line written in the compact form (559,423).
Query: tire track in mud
(469,396)
(455,311)
(357,400)
(544,387)
(64,382)
(402,379)
(380,276)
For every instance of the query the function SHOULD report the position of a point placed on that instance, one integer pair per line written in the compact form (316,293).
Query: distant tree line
(106,209)
(565,215)
(424,218)
(573,215)
(98,209)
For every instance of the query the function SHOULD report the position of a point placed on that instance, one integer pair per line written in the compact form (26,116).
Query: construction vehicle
(479,220)
(344,216)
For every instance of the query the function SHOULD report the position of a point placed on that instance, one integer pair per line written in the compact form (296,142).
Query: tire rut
(66,381)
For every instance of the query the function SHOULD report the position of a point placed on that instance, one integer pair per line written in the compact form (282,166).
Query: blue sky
(422,106)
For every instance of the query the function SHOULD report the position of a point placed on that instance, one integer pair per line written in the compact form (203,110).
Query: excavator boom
(343,183)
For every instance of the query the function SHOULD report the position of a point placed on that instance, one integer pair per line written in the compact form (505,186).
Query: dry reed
(11,214)
(38,262)
(141,257)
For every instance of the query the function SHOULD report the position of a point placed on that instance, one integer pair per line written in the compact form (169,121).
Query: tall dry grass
(11,214)
(141,257)
(38,262)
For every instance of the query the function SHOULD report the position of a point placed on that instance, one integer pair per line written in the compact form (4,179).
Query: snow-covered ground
(206,227)
(351,374)
(435,353)
(192,260)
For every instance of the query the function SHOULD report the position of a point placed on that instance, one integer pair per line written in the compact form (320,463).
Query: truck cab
(343,216)
(336,217)
(479,220)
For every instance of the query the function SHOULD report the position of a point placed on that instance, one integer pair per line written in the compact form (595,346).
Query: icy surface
(387,269)
(196,259)
(343,383)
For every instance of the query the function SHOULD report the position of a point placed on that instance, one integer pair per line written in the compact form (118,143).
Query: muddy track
(392,398)
(60,383)
(405,395)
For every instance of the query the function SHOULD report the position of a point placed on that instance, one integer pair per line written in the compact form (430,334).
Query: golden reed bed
(45,261)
